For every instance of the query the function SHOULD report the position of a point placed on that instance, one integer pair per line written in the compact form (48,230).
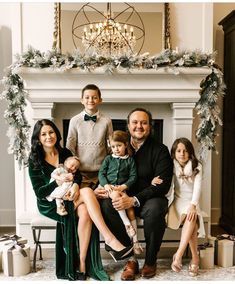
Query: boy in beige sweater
(88,135)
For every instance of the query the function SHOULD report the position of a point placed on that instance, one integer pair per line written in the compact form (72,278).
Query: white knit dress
(187,190)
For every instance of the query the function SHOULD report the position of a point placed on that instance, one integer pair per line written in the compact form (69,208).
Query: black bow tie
(88,117)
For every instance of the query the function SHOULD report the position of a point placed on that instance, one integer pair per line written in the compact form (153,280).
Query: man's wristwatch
(136,202)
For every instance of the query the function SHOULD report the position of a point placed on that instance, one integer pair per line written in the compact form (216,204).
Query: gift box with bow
(15,257)
(7,239)
(206,255)
(224,250)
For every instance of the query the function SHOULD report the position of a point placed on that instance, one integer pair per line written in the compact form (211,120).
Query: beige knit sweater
(88,140)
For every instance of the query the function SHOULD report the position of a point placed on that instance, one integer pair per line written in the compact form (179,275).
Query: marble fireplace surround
(168,96)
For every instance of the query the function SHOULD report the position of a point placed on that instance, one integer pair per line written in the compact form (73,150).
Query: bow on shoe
(88,117)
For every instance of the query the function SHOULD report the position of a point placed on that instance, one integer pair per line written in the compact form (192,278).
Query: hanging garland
(212,87)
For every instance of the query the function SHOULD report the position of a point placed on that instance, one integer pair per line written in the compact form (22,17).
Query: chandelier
(112,35)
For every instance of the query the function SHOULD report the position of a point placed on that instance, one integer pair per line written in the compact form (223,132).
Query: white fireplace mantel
(47,89)
(164,85)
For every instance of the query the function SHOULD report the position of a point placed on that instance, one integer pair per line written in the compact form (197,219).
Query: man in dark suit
(152,160)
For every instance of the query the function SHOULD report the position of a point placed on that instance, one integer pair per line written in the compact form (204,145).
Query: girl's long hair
(121,136)
(37,154)
(189,147)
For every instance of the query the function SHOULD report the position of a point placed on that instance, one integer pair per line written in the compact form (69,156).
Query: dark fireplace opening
(120,124)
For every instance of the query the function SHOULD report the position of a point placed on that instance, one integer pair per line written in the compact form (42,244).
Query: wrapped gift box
(224,249)
(225,253)
(16,259)
(206,255)
(7,239)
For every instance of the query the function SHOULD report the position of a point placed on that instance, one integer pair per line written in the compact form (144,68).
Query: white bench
(40,222)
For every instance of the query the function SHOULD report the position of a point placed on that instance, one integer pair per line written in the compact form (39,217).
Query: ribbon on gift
(224,237)
(11,246)
(203,247)
(7,237)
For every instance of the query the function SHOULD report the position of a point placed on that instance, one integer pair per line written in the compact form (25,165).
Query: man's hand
(123,202)
(101,193)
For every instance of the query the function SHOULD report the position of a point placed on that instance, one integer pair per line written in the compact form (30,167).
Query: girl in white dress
(185,206)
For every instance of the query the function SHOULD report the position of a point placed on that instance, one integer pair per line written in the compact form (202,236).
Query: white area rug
(46,272)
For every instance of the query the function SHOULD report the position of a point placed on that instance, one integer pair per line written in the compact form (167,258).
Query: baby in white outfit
(66,190)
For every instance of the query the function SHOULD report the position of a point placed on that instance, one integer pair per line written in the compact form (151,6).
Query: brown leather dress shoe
(148,271)
(130,270)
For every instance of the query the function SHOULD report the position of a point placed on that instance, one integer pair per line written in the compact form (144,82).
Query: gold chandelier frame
(57,26)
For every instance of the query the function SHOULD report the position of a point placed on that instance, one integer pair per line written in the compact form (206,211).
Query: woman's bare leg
(84,234)
(193,246)
(88,197)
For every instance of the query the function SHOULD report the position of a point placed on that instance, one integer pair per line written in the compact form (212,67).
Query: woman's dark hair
(121,136)
(37,154)
(190,149)
(91,87)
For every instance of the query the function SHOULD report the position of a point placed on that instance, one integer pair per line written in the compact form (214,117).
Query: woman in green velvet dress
(77,239)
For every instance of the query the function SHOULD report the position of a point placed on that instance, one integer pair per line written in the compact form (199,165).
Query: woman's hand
(76,193)
(192,213)
(68,177)
(64,178)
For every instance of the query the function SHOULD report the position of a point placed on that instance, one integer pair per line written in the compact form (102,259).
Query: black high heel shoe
(81,276)
(119,255)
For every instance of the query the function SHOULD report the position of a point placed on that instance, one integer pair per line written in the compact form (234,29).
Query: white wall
(190,25)
(36,29)
(7,188)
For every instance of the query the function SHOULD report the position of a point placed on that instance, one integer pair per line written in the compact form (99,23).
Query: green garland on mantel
(212,87)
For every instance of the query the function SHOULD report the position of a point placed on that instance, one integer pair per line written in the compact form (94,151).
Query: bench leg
(36,238)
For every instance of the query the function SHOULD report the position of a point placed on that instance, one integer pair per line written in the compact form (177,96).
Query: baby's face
(72,165)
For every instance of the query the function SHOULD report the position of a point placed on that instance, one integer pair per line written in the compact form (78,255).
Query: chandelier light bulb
(112,36)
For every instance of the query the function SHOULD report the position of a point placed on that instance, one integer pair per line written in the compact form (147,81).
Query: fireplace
(56,95)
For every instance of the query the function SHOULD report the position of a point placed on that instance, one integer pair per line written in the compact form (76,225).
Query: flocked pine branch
(18,131)
(212,87)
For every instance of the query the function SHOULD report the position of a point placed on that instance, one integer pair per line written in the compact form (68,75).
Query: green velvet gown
(67,245)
